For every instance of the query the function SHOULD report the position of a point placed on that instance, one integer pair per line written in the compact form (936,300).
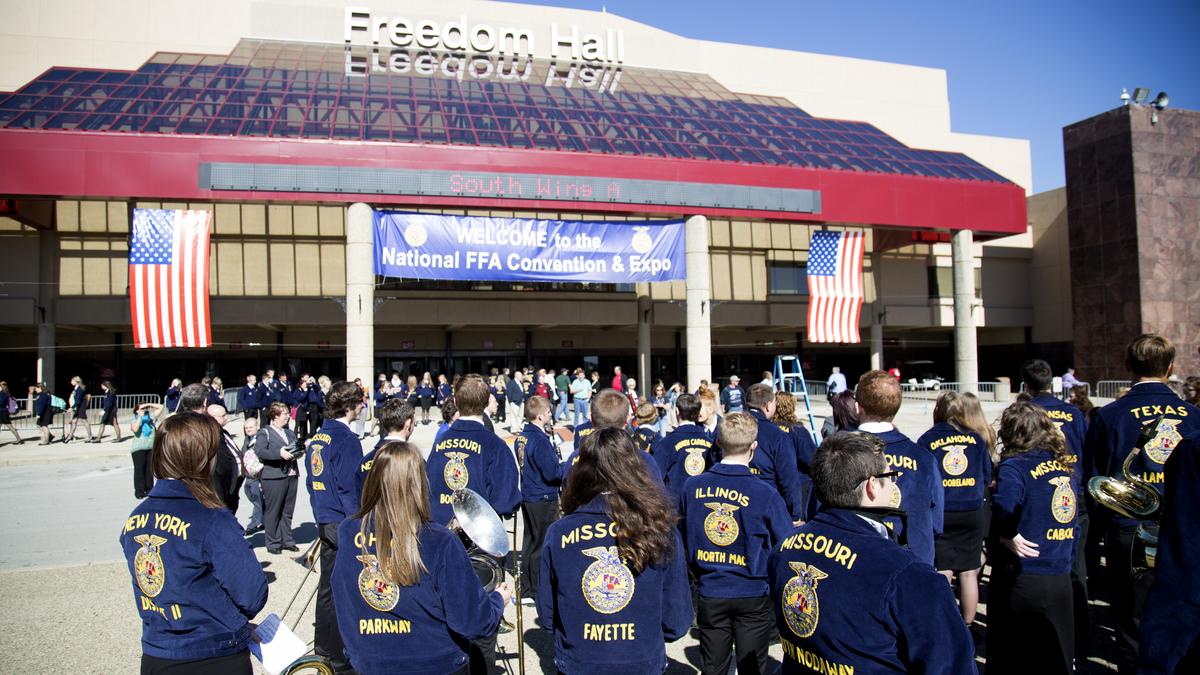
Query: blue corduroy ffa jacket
(731,520)
(248,397)
(421,629)
(333,458)
(1070,421)
(920,492)
(848,599)
(606,619)
(685,452)
(775,462)
(470,456)
(1035,497)
(196,582)
(965,463)
(543,471)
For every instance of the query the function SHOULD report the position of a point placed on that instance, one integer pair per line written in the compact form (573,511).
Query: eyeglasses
(890,475)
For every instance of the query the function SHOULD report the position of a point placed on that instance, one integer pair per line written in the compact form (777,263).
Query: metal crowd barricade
(816,387)
(1110,388)
(25,420)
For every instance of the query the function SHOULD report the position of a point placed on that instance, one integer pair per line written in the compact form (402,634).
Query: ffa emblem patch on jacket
(897,495)
(720,525)
(318,464)
(607,583)
(148,567)
(694,463)
(801,608)
(954,463)
(381,594)
(455,473)
(1062,503)
(1167,437)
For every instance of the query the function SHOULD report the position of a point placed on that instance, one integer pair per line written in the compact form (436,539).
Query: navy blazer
(196,582)
(248,397)
(1036,498)
(847,597)
(470,456)
(422,629)
(1070,421)
(965,462)
(543,471)
(110,402)
(603,616)
(919,492)
(775,462)
(684,452)
(41,403)
(444,394)
(731,521)
(332,460)
(171,398)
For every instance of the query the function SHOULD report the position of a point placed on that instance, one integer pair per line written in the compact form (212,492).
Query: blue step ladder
(790,378)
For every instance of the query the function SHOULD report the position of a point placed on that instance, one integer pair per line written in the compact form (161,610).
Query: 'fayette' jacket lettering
(606,619)
(917,492)
(965,463)
(470,456)
(543,471)
(731,521)
(1035,497)
(333,457)
(685,452)
(196,583)
(1115,427)
(775,462)
(848,599)
(421,629)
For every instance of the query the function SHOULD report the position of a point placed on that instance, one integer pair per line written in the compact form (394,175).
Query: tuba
(1134,498)
(314,663)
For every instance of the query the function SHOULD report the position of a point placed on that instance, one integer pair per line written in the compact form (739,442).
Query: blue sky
(1016,68)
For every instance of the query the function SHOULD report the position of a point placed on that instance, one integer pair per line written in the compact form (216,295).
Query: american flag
(835,286)
(168,278)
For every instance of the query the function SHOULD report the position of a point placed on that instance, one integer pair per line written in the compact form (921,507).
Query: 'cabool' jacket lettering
(1114,429)
(605,619)
(196,583)
(422,629)
(470,456)
(685,452)
(966,466)
(848,599)
(542,473)
(918,492)
(775,462)
(333,458)
(1035,497)
(731,521)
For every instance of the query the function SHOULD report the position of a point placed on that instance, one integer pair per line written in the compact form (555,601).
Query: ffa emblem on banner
(694,463)
(801,608)
(1159,448)
(955,461)
(720,525)
(381,594)
(1062,503)
(897,495)
(607,583)
(455,473)
(318,464)
(148,567)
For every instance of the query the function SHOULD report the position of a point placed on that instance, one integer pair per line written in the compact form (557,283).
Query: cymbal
(479,520)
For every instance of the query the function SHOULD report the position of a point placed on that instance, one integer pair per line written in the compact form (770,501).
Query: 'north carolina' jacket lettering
(685,452)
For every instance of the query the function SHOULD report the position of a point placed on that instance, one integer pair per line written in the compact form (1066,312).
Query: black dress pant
(314,421)
(301,426)
(538,518)
(143,473)
(744,624)
(1079,589)
(1030,624)
(1128,594)
(279,501)
(327,639)
(234,664)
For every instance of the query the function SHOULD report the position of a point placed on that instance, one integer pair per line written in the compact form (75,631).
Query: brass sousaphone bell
(1133,498)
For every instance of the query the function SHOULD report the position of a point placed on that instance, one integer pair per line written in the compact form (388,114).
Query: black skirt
(81,413)
(426,403)
(5,418)
(234,664)
(109,417)
(961,543)
(46,418)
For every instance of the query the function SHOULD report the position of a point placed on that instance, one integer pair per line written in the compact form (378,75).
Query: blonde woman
(425,392)
(975,420)
(77,407)
(395,566)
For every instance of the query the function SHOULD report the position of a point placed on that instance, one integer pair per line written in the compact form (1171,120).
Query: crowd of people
(717,509)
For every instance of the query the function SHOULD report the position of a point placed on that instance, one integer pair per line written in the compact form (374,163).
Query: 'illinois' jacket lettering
(1036,498)
(685,452)
(966,465)
(470,456)
(332,459)
(918,492)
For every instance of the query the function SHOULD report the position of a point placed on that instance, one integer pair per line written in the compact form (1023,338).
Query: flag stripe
(835,286)
(168,272)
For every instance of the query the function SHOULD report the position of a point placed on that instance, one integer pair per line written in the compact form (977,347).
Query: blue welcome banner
(480,248)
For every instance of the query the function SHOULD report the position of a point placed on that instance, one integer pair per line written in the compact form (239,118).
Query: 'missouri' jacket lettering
(470,456)
(1036,498)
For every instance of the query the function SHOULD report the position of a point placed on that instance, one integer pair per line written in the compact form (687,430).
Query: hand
(287,456)
(1021,546)
(505,590)
(797,523)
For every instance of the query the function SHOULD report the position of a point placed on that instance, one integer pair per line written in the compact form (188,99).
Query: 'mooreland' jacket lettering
(1035,497)
(849,600)
(196,583)
(1115,428)
(685,452)
(1070,421)
(604,618)
(332,460)
(966,466)
(470,456)
(775,462)
(731,521)
(421,629)
(919,493)
(542,473)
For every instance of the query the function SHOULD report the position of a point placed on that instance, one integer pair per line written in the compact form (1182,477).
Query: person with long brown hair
(617,542)
(1030,616)
(976,421)
(408,600)
(196,582)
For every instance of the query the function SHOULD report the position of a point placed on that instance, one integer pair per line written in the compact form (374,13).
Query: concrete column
(876,316)
(699,304)
(360,293)
(48,246)
(966,354)
(645,310)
